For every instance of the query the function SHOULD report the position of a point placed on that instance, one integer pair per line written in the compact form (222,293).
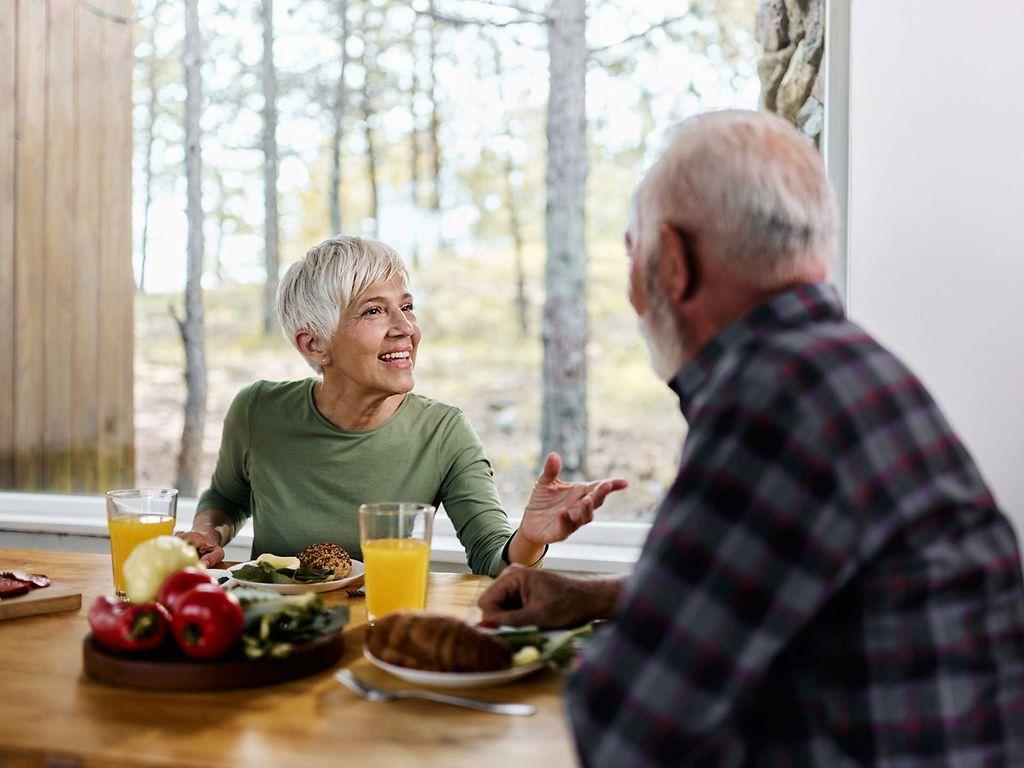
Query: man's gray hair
(318,288)
(750,181)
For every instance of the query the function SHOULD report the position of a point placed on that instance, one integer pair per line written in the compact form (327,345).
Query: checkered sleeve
(750,542)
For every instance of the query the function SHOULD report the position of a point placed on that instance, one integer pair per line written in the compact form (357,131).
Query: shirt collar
(796,306)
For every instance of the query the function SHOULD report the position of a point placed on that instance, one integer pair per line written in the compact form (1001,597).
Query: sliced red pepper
(32,579)
(122,626)
(12,587)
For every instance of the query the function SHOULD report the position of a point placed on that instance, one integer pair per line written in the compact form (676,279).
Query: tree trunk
(435,118)
(148,163)
(515,228)
(270,238)
(340,103)
(414,134)
(222,217)
(414,145)
(371,152)
(791,68)
(192,332)
(564,369)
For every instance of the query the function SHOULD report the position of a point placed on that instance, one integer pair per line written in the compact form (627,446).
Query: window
(426,125)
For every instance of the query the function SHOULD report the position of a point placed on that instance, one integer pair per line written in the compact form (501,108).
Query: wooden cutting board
(51,599)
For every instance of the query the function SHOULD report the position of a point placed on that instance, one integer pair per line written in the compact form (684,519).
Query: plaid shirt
(828,581)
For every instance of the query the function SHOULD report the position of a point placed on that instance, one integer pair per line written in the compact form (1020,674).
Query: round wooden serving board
(168,669)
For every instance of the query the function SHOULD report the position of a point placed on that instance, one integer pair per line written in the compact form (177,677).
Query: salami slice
(32,579)
(12,587)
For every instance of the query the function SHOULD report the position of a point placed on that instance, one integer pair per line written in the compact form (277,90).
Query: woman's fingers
(552,468)
(580,513)
(212,556)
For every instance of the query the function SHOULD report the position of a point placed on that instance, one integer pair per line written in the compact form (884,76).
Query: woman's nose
(400,324)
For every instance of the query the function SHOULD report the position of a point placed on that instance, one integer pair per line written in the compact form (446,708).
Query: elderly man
(829,581)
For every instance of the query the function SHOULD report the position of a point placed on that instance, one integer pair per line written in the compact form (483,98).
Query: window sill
(39,519)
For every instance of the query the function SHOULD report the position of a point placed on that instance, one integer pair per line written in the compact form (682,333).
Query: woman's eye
(407,308)
(371,311)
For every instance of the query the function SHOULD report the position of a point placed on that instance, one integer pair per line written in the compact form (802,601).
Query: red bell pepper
(122,626)
(179,583)
(206,621)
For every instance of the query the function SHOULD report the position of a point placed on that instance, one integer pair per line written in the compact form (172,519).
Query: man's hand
(207,544)
(525,596)
(557,508)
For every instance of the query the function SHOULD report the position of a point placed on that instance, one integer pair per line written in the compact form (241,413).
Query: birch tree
(564,329)
(340,105)
(435,114)
(513,204)
(271,257)
(147,161)
(191,327)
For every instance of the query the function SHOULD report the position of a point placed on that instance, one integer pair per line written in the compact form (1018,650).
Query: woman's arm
(224,506)
(469,495)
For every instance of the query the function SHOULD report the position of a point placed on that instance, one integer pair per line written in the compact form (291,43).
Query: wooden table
(52,714)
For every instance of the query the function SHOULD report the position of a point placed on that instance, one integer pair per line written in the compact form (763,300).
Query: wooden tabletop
(52,714)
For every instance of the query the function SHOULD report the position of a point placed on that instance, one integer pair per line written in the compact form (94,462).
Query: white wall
(936,249)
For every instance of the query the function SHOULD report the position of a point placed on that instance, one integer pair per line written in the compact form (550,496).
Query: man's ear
(677,265)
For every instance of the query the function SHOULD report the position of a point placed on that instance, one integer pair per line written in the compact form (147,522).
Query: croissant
(435,644)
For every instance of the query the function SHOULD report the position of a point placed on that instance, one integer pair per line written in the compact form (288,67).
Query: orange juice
(396,575)
(127,532)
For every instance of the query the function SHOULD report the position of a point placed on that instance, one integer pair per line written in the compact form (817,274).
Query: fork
(372,693)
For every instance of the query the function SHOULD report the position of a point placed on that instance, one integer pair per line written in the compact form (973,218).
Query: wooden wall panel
(85,371)
(109,396)
(66,289)
(58,253)
(29,231)
(124,249)
(8,78)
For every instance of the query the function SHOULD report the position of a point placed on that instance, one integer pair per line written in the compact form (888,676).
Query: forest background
(426,124)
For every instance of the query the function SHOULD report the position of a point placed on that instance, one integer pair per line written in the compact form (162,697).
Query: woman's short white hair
(752,182)
(319,287)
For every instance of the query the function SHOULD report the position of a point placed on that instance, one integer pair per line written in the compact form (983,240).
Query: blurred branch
(464,21)
(522,9)
(117,19)
(639,35)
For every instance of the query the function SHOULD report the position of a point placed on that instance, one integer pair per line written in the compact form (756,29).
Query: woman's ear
(309,346)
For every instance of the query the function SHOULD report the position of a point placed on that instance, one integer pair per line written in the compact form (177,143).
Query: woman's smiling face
(375,344)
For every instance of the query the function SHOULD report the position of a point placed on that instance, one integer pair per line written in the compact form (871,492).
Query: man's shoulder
(836,357)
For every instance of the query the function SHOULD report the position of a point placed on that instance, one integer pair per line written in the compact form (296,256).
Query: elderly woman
(299,457)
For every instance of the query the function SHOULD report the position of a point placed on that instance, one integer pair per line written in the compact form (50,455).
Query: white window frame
(79,523)
(836,144)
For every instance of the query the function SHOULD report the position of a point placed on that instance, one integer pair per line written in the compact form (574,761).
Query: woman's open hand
(557,508)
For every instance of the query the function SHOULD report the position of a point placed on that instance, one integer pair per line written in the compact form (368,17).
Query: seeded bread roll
(435,644)
(325,554)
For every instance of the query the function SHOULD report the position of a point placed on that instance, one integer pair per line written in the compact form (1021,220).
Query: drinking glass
(136,515)
(395,539)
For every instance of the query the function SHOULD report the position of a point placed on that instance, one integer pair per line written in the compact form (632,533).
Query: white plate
(358,569)
(455,679)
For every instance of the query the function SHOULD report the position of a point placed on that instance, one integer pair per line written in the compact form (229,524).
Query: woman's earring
(324,361)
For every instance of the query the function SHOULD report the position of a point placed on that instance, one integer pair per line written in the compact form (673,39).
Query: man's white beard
(664,343)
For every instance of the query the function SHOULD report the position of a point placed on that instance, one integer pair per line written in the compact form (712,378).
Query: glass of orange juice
(395,539)
(134,516)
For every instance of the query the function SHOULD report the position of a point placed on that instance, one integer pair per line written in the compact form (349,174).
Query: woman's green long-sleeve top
(302,479)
